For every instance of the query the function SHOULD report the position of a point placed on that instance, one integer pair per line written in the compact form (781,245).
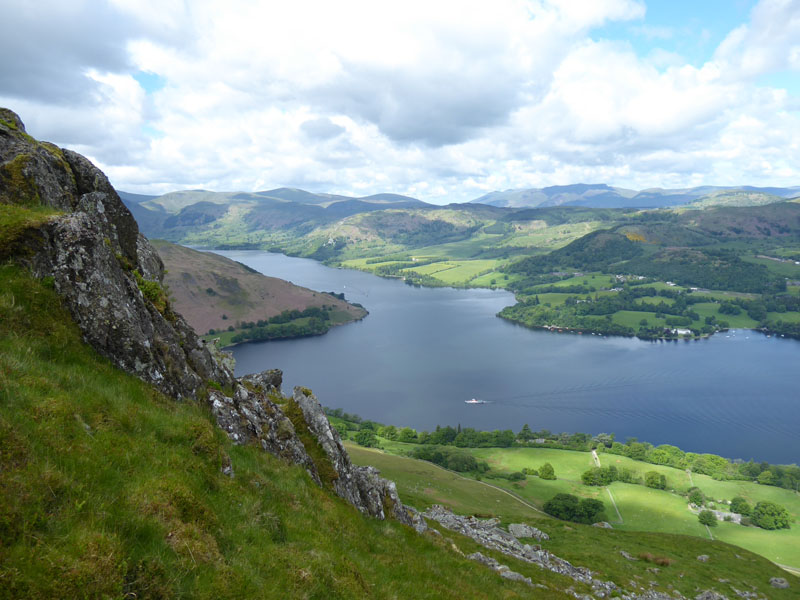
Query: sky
(441,100)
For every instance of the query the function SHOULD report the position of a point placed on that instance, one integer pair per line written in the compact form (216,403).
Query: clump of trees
(707,518)
(289,324)
(769,515)
(607,475)
(450,458)
(696,496)
(546,471)
(785,476)
(572,508)
(367,438)
(740,506)
(655,480)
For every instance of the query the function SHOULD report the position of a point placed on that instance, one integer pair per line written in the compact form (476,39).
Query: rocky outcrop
(249,416)
(503,570)
(111,280)
(522,530)
(108,275)
(361,486)
(489,534)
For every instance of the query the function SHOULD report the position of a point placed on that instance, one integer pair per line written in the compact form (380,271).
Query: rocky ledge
(489,534)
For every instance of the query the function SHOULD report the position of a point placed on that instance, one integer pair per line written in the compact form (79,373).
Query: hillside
(112,488)
(214,292)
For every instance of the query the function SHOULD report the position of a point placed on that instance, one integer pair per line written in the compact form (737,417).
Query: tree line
(718,467)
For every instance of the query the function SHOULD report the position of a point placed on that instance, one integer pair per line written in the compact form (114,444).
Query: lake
(422,352)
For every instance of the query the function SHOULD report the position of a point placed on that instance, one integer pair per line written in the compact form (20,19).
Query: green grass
(740,321)
(500,279)
(786,317)
(782,269)
(641,508)
(672,531)
(632,318)
(15,220)
(110,489)
(646,509)
(422,484)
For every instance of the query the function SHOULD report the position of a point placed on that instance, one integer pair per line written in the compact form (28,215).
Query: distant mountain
(172,215)
(129,198)
(604,196)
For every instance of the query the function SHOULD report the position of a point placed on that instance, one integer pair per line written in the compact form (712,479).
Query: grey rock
(360,486)
(603,525)
(627,556)
(514,576)
(488,533)
(521,530)
(503,570)
(779,582)
(91,251)
(710,595)
(703,558)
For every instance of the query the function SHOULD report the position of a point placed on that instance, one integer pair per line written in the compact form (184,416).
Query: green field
(422,484)
(711,309)
(784,269)
(641,508)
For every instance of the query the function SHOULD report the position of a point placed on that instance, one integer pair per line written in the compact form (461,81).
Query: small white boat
(475,401)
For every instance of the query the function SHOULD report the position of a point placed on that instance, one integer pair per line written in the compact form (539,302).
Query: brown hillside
(206,286)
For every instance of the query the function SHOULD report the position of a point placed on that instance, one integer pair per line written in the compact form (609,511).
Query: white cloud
(442,99)
(769,42)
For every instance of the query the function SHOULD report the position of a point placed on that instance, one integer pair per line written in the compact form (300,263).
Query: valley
(729,258)
(628,506)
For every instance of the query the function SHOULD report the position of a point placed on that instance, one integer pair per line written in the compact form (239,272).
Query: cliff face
(111,280)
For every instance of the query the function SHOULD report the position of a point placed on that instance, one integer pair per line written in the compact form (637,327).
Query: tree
(696,497)
(707,518)
(740,506)
(407,435)
(547,472)
(590,511)
(766,478)
(562,506)
(389,432)
(525,433)
(366,438)
(769,515)
(656,480)
(570,508)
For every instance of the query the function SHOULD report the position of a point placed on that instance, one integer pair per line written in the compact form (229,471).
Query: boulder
(503,570)
(710,595)
(521,530)
(779,582)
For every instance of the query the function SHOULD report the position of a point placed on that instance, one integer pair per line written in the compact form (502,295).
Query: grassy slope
(108,489)
(583,545)
(641,508)
(206,286)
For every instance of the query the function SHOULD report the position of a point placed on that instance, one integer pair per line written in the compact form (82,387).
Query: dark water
(421,352)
